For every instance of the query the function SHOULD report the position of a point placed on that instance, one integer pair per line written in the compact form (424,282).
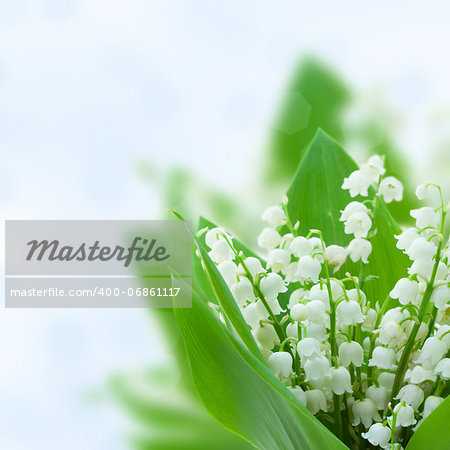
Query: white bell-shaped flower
(378,434)
(340,381)
(308,347)
(286,240)
(269,238)
(251,315)
(421,249)
(349,313)
(262,310)
(280,364)
(291,275)
(297,296)
(429,192)
(272,285)
(242,291)
(431,403)
(365,412)
(228,270)
(432,352)
(308,269)
(359,249)
(426,217)
(391,189)
(214,235)
(357,183)
(292,331)
(405,415)
(440,296)
(278,260)
(383,358)
(316,367)
(300,246)
(422,268)
(411,395)
(221,252)
(315,330)
(315,311)
(373,168)
(299,394)
(316,401)
(351,208)
(405,291)
(274,306)
(351,353)
(405,239)
(358,224)
(386,380)
(266,336)
(299,312)
(253,265)
(379,395)
(320,292)
(443,369)
(274,216)
(390,334)
(394,315)
(419,374)
(336,256)
(369,320)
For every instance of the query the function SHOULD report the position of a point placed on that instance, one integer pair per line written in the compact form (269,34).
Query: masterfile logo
(98,263)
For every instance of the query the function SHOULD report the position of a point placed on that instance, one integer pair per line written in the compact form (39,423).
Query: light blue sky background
(88,88)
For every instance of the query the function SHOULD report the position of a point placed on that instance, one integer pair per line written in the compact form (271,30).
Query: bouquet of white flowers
(351,316)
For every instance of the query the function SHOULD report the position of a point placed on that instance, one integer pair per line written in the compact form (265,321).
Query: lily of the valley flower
(426,217)
(365,412)
(391,189)
(269,238)
(383,358)
(351,353)
(412,395)
(357,183)
(349,313)
(340,381)
(274,216)
(378,434)
(358,224)
(405,291)
(359,249)
(280,364)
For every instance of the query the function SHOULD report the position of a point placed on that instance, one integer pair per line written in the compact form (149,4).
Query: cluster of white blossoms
(376,368)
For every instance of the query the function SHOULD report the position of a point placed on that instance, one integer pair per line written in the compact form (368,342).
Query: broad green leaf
(316,199)
(434,431)
(241,392)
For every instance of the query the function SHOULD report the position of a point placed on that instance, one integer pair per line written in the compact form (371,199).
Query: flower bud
(299,312)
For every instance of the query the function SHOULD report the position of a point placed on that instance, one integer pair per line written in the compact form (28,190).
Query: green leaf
(241,392)
(316,199)
(434,431)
